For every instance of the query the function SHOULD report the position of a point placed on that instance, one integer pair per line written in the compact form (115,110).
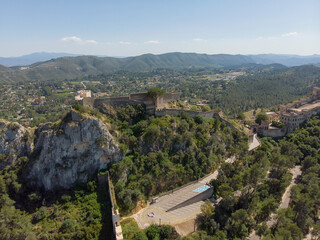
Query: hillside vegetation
(157,151)
(71,67)
(267,90)
(166,152)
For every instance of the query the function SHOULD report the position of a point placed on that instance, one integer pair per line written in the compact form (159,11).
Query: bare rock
(70,151)
(15,142)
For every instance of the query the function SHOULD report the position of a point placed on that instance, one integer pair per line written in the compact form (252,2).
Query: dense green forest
(267,90)
(80,213)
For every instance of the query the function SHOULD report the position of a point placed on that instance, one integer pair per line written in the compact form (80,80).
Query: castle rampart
(157,106)
(133,99)
(118,101)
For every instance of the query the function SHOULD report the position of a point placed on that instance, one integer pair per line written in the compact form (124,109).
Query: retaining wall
(117,230)
(199,197)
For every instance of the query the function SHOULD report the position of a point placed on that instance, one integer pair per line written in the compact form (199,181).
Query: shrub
(34,197)
(40,214)
(261,117)
(68,226)
(65,198)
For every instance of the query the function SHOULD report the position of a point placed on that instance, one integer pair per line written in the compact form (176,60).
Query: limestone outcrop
(14,143)
(70,151)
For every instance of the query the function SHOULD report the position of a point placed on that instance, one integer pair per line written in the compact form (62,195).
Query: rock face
(14,142)
(70,152)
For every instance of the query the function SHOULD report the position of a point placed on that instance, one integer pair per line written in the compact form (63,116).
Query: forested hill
(71,67)
(266,90)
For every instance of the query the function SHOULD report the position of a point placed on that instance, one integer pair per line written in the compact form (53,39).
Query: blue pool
(201,189)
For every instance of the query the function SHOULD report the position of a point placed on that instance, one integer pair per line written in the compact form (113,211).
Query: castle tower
(316,93)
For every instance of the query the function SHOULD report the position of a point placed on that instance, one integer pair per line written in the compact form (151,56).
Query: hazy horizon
(99,55)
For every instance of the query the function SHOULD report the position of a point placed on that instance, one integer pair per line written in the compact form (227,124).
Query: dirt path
(296,172)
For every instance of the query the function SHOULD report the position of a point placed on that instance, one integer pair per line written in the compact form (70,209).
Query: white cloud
(290,34)
(91,41)
(152,42)
(198,39)
(124,43)
(259,38)
(71,39)
(78,40)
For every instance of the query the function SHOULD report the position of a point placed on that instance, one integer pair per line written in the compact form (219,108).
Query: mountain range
(284,59)
(75,66)
(32,58)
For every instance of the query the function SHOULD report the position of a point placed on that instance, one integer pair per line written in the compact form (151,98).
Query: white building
(83,94)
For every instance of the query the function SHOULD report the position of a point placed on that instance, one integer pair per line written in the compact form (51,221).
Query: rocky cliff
(70,151)
(14,142)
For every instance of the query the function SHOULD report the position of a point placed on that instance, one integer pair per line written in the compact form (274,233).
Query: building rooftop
(300,110)
(309,106)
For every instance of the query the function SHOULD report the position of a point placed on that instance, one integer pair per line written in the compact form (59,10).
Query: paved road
(296,172)
(255,143)
(157,212)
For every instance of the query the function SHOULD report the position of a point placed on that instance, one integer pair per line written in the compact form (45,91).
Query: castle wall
(104,180)
(132,99)
(168,97)
(119,101)
(160,102)
(87,102)
(316,93)
(143,97)
(274,133)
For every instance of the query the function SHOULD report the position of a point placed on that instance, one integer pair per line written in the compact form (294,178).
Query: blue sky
(134,27)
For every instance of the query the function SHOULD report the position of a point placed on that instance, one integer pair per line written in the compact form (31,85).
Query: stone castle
(133,99)
(292,115)
(158,107)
